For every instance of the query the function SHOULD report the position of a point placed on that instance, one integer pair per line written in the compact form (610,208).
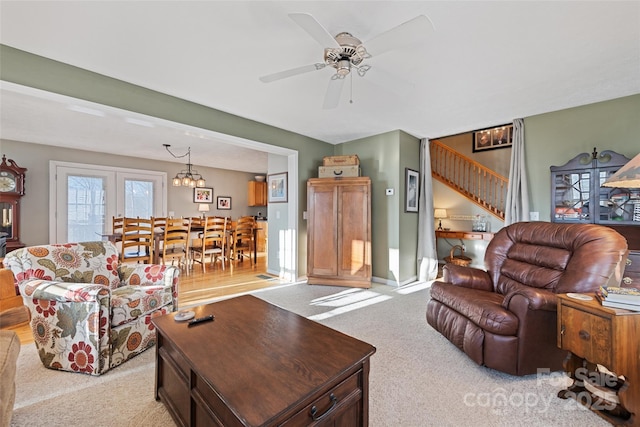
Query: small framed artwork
(203,195)
(412,188)
(224,202)
(277,188)
(490,139)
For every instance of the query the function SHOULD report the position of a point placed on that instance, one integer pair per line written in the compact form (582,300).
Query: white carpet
(417,377)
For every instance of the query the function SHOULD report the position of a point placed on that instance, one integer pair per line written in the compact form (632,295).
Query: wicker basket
(458,260)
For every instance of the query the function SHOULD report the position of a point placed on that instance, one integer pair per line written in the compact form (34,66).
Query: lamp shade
(440,213)
(627,176)
(203,207)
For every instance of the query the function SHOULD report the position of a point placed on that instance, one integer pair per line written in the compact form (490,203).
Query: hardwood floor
(196,287)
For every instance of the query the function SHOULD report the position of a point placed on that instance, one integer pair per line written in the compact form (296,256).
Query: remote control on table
(201,320)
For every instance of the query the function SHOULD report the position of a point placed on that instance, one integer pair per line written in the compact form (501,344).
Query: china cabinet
(577,194)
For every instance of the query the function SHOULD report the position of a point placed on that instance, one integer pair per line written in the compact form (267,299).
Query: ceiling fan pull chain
(351,94)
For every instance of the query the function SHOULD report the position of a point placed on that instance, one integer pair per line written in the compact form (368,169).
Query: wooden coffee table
(260,365)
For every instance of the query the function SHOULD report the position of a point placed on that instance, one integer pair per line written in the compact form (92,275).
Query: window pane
(138,198)
(85,208)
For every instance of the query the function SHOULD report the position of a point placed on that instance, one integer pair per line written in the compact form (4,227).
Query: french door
(86,197)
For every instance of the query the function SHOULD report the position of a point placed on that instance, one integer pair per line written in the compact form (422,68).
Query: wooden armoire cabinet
(339,231)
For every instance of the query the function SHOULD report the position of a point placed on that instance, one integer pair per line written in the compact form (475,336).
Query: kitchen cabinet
(339,231)
(261,235)
(257,193)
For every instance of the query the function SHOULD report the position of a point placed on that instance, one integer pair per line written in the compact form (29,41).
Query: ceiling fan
(346,53)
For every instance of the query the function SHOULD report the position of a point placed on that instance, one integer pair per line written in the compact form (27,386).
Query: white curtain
(427,255)
(517,203)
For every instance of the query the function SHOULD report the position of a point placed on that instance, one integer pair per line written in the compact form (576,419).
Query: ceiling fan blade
(332,97)
(292,72)
(399,36)
(315,30)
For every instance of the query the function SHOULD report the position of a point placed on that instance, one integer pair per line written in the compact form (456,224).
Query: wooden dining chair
(212,242)
(175,244)
(243,238)
(137,240)
(117,222)
(158,222)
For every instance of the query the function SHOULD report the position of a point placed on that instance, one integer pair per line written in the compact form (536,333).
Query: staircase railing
(476,182)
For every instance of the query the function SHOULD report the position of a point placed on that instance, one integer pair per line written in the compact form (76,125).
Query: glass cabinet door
(620,204)
(571,196)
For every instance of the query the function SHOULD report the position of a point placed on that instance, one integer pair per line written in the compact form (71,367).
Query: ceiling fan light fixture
(344,67)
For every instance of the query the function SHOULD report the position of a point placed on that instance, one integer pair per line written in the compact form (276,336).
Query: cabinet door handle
(562,330)
(314,410)
(584,335)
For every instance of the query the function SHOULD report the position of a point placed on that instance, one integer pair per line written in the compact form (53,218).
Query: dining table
(158,237)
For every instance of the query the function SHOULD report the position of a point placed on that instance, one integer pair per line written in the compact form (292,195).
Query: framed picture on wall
(277,188)
(492,138)
(224,202)
(203,195)
(412,188)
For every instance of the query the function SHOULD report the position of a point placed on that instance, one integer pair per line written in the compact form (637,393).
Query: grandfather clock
(11,190)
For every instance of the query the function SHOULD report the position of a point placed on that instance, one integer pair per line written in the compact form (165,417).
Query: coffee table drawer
(342,401)
(210,410)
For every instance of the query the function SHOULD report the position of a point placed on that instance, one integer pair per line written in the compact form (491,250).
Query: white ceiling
(484,64)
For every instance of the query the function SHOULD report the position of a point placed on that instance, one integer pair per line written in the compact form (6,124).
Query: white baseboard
(394,283)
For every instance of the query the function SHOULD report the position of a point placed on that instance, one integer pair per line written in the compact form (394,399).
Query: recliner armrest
(538,299)
(467,277)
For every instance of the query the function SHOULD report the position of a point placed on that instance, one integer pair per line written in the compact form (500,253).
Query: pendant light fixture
(189,177)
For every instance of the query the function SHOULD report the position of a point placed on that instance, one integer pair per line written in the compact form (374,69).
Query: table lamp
(439,214)
(203,207)
(627,176)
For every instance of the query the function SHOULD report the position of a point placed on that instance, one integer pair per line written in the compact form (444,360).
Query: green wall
(552,139)
(35,71)
(394,232)
(408,232)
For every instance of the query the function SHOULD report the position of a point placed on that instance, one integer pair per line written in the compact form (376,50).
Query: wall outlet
(534,216)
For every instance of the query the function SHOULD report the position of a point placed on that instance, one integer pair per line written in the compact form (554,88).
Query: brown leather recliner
(505,318)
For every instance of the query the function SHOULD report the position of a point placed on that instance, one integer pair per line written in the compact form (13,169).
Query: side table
(596,335)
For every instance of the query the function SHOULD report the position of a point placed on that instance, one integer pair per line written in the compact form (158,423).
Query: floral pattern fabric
(89,313)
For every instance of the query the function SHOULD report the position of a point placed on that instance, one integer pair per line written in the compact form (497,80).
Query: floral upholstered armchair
(90,313)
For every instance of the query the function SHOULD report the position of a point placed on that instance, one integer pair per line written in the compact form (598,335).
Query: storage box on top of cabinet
(350,160)
(338,171)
